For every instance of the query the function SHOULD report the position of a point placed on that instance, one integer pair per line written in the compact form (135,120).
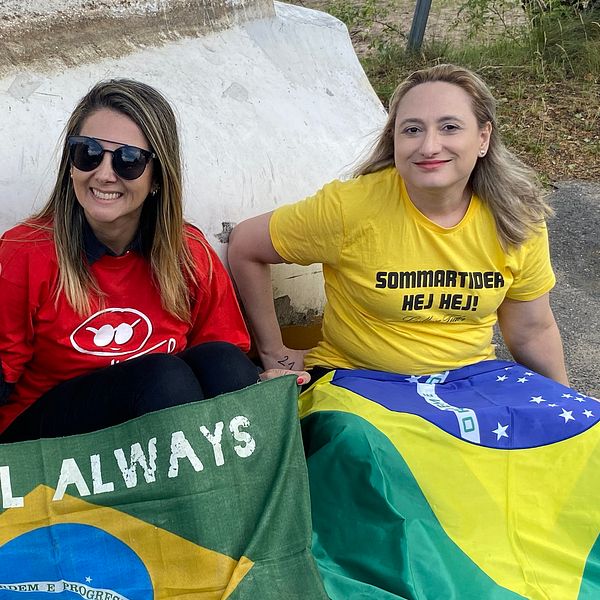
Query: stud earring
(482,153)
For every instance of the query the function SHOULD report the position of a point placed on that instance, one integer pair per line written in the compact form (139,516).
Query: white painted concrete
(269,111)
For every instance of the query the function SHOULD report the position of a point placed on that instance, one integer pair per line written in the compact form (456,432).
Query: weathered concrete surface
(51,33)
(269,108)
(575,248)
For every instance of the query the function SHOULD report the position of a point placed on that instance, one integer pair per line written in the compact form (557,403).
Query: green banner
(206,500)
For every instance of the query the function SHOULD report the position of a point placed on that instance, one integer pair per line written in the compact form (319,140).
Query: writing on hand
(286,363)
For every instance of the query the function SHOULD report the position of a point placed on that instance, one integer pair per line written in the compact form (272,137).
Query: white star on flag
(580,399)
(88,579)
(588,413)
(567,396)
(567,415)
(552,405)
(529,373)
(522,379)
(413,379)
(501,378)
(537,399)
(500,431)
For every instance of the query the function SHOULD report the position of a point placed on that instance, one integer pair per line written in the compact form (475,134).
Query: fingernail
(300,380)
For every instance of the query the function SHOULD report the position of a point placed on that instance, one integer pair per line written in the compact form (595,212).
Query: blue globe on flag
(71,561)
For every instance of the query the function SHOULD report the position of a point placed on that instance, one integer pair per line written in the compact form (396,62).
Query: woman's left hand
(303,376)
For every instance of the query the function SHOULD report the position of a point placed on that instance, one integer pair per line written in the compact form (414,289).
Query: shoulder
(537,241)
(386,179)
(26,243)
(197,243)
(206,261)
(367,195)
(352,194)
(29,232)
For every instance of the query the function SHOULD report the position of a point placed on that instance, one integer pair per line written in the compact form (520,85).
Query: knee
(220,367)
(223,350)
(165,368)
(166,380)
(219,355)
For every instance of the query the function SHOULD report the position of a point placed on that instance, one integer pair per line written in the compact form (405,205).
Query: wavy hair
(161,221)
(510,189)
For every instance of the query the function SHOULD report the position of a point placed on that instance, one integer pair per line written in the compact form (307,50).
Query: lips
(105,195)
(431,164)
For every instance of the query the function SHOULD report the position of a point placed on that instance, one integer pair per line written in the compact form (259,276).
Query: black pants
(133,388)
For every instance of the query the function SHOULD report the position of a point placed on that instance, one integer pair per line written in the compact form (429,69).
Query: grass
(544,69)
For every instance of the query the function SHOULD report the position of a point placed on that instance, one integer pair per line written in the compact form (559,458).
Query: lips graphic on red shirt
(112,332)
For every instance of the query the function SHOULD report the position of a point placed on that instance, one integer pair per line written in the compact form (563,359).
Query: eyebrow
(421,122)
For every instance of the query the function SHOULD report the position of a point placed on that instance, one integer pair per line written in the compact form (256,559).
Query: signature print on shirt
(116,332)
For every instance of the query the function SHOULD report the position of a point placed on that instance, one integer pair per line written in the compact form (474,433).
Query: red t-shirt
(43,341)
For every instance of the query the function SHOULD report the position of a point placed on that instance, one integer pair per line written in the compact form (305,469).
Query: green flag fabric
(203,501)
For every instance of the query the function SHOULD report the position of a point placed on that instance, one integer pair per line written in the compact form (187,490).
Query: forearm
(542,352)
(531,334)
(253,281)
(251,255)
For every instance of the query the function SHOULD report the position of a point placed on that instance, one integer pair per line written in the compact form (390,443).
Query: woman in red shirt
(111,305)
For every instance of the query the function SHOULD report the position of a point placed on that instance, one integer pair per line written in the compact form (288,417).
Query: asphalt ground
(575,249)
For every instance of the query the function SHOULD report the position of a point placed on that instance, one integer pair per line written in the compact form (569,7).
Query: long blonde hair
(510,188)
(161,221)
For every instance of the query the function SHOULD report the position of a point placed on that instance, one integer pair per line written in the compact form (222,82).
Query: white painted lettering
(215,440)
(129,471)
(98,485)
(181,448)
(8,500)
(70,474)
(249,445)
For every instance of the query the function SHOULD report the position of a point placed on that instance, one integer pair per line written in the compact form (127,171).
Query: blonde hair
(161,221)
(510,189)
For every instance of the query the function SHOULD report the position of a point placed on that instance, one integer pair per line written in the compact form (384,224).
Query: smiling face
(437,139)
(112,205)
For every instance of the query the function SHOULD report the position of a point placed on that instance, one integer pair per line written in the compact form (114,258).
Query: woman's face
(112,205)
(437,139)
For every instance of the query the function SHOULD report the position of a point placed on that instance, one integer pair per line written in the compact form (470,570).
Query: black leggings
(133,388)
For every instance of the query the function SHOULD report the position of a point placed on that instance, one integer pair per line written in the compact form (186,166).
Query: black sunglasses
(128,162)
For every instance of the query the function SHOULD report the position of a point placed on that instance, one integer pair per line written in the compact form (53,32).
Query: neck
(114,237)
(445,207)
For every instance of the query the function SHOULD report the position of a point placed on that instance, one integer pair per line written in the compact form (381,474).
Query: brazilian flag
(203,501)
(476,484)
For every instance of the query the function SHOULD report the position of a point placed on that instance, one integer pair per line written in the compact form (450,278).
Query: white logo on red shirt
(116,332)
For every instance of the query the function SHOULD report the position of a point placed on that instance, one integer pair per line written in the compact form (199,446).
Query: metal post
(419,22)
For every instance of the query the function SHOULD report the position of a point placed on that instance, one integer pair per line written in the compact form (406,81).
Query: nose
(104,171)
(431,144)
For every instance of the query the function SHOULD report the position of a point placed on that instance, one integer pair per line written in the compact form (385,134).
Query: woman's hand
(283,358)
(286,361)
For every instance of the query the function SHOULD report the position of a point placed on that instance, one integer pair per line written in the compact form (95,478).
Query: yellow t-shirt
(404,294)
